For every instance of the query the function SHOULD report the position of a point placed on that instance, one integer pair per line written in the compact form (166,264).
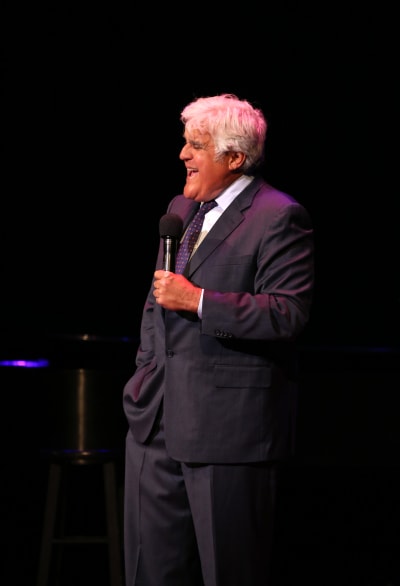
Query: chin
(189,193)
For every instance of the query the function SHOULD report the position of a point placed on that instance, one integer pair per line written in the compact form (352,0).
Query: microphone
(171,228)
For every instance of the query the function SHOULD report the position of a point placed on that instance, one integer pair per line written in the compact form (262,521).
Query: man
(211,405)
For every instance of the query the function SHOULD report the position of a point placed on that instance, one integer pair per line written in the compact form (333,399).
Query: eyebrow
(197,143)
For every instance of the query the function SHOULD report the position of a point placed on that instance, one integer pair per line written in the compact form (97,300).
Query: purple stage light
(37,363)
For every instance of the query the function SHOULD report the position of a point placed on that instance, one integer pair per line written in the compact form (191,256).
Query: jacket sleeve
(272,301)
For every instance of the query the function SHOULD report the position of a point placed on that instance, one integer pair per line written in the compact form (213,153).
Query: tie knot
(207,206)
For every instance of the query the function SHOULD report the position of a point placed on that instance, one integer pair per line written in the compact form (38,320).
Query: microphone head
(171,226)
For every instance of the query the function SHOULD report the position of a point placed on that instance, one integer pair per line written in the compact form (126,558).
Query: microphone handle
(170,246)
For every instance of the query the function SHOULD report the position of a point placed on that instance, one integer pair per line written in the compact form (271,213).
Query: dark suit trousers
(196,525)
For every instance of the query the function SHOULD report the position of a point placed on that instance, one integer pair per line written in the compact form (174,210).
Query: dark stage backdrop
(92,137)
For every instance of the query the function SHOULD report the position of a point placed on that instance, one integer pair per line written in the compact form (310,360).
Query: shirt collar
(231,192)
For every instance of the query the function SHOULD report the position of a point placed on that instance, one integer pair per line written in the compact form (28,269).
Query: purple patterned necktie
(191,236)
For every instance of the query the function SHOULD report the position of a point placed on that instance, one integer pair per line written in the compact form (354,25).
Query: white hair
(234,125)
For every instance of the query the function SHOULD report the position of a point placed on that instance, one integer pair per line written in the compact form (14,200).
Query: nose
(185,152)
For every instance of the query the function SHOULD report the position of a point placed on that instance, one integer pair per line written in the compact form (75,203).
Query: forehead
(197,135)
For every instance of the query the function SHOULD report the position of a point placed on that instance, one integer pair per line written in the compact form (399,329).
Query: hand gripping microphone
(171,227)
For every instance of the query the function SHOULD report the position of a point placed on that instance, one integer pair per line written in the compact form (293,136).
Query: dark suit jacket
(226,381)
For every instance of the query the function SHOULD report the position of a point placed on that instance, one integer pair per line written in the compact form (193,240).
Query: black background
(92,137)
(91,97)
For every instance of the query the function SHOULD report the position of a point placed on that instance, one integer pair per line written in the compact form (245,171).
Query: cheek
(216,174)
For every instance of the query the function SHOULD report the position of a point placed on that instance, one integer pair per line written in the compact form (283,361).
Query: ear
(236,160)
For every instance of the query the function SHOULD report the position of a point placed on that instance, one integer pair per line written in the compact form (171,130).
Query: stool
(55,509)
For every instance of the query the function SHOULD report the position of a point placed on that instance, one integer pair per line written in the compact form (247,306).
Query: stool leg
(112,524)
(48,525)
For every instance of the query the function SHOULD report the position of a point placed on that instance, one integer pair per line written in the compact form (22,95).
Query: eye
(196,145)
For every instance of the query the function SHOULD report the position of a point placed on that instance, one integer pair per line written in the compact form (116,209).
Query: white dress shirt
(223,201)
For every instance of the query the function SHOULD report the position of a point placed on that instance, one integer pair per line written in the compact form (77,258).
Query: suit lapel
(225,225)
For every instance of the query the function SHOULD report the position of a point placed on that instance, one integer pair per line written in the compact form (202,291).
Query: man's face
(206,178)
